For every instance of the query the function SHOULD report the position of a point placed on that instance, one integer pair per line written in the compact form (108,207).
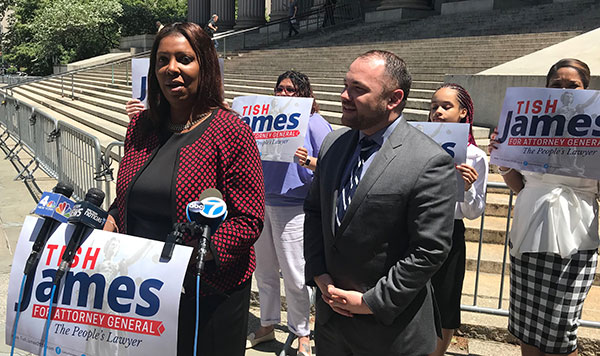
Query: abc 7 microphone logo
(213,207)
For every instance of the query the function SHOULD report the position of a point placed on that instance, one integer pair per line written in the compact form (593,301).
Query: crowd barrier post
(3,122)
(72,86)
(106,173)
(13,128)
(504,253)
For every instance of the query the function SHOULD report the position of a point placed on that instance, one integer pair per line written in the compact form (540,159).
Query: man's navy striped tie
(367,148)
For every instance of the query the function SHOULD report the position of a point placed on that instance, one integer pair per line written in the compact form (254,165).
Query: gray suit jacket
(395,234)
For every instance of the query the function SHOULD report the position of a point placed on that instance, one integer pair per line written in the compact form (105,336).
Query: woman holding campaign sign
(554,244)
(186,142)
(280,246)
(452,103)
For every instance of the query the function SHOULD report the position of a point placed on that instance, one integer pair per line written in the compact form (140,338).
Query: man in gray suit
(379,219)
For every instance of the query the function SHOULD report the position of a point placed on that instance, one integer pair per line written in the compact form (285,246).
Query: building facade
(253,12)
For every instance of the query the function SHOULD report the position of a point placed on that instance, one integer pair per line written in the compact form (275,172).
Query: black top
(151,199)
(208,29)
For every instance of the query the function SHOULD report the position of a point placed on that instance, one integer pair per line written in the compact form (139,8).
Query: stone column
(226,11)
(202,8)
(279,9)
(250,13)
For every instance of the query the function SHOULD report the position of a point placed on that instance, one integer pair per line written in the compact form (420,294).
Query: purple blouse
(287,184)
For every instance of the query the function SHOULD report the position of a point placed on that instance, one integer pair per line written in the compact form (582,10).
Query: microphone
(55,207)
(86,215)
(208,213)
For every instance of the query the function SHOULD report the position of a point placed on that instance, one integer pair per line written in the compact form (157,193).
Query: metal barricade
(499,310)
(79,159)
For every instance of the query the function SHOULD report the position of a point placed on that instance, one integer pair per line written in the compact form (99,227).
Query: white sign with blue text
(118,297)
(279,123)
(453,138)
(139,78)
(553,131)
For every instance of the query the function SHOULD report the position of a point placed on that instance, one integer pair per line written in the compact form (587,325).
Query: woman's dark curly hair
(302,85)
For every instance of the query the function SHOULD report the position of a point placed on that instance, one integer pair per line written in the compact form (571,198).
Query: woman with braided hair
(280,246)
(452,103)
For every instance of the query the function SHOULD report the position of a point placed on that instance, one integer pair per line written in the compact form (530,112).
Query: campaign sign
(453,138)
(139,78)
(550,131)
(279,123)
(117,298)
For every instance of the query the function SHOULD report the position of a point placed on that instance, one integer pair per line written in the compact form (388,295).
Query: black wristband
(307,162)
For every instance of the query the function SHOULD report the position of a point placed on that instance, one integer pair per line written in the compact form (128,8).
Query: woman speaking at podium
(188,141)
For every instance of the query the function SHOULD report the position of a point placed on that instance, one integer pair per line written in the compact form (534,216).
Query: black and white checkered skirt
(546,298)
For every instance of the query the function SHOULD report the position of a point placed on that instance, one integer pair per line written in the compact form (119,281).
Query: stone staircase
(432,48)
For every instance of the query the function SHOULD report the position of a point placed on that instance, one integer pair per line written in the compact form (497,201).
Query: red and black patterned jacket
(225,157)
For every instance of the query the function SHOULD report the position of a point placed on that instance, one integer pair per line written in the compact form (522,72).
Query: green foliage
(45,32)
(140,16)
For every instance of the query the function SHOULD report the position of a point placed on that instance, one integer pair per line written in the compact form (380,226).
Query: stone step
(331,92)
(335,104)
(494,229)
(81,120)
(322,77)
(92,118)
(94,86)
(104,109)
(107,80)
(106,94)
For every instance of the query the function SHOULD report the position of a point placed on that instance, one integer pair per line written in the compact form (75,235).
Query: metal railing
(63,151)
(79,159)
(499,310)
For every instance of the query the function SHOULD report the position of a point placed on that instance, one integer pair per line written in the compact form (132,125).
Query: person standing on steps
(211,28)
(292,20)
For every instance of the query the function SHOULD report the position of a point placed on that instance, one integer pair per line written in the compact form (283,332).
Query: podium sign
(118,298)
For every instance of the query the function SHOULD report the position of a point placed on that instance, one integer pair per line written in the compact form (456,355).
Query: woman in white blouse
(553,244)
